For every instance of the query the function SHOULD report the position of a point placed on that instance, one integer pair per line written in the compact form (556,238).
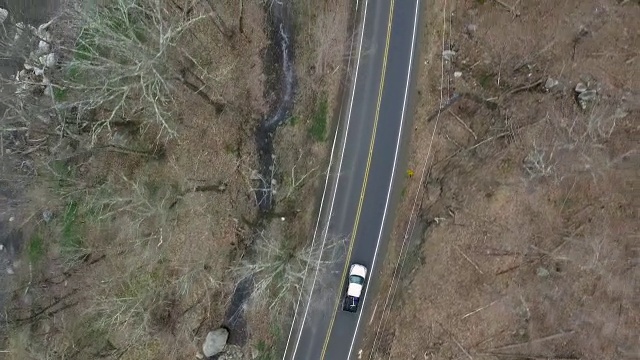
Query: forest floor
(521,239)
(127,249)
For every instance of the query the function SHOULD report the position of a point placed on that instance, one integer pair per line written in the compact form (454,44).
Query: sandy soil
(526,242)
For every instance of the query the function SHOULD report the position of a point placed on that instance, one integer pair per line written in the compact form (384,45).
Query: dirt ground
(526,239)
(155,233)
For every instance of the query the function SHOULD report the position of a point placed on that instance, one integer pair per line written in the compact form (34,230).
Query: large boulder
(215,342)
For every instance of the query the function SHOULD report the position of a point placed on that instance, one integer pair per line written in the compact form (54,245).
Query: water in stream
(280,59)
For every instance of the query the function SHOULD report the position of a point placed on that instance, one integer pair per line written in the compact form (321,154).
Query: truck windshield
(355,279)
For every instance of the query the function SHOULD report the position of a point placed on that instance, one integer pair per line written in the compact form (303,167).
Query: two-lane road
(364,167)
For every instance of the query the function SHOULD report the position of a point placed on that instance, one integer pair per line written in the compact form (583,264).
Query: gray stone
(551,83)
(542,272)
(43,47)
(215,342)
(586,97)
(448,54)
(47,216)
(48,60)
(581,87)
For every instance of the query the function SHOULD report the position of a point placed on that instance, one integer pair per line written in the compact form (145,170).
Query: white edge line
(408,233)
(395,162)
(324,236)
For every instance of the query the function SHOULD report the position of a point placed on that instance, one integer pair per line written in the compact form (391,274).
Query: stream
(279,60)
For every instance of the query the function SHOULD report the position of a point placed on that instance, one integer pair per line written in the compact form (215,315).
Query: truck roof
(354,290)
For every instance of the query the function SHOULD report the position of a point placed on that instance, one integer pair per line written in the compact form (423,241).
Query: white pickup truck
(356,279)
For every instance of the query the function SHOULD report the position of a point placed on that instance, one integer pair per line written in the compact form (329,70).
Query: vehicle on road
(356,279)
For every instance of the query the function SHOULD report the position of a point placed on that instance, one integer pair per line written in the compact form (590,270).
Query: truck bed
(350,303)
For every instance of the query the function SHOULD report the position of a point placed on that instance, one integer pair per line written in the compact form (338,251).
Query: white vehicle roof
(354,290)
(357,269)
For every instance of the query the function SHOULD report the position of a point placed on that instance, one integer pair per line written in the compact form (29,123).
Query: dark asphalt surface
(321,329)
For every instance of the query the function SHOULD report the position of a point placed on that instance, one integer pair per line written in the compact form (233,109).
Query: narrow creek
(279,60)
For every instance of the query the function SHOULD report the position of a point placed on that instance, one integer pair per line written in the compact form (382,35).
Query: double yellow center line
(366,177)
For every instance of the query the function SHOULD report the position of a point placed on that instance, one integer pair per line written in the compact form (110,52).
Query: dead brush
(538,163)
(130,303)
(144,204)
(327,35)
(278,268)
(583,140)
(123,61)
(590,129)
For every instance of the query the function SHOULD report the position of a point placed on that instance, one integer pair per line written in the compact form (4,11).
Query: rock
(232,352)
(550,83)
(4,14)
(43,47)
(10,271)
(199,356)
(43,30)
(20,75)
(470,29)
(448,54)
(47,216)
(215,342)
(586,97)
(48,91)
(48,60)
(581,87)
(542,272)
(457,74)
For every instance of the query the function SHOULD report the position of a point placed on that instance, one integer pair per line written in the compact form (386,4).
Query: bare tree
(278,268)
(125,60)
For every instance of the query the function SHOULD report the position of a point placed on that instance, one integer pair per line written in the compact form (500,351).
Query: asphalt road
(366,164)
